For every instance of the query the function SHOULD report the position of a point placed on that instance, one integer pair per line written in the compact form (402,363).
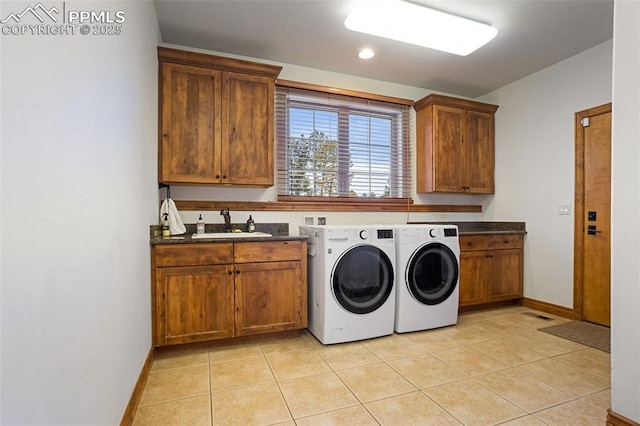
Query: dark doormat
(585,333)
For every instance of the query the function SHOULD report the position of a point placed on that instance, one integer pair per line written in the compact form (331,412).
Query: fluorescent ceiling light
(411,23)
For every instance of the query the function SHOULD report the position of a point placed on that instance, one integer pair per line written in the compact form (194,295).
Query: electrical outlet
(308,220)
(322,220)
(564,209)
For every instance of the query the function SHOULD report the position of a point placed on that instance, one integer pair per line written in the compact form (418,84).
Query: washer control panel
(380,234)
(450,232)
(385,234)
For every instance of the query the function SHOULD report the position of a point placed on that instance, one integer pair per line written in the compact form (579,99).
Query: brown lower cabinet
(491,268)
(209,291)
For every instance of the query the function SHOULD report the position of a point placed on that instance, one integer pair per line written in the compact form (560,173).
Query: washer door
(432,274)
(362,279)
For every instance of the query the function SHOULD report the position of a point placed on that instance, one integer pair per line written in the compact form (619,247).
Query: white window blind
(332,145)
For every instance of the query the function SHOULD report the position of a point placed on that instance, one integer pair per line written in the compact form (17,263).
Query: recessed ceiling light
(411,23)
(366,54)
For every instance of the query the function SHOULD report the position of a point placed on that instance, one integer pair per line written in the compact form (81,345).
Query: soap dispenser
(200,225)
(166,231)
(251,225)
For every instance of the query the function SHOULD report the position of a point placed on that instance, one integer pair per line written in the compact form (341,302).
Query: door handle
(591,230)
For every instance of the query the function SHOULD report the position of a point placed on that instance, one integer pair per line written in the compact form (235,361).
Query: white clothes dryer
(428,268)
(351,273)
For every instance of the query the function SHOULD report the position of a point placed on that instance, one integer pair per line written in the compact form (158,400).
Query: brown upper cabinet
(216,120)
(455,145)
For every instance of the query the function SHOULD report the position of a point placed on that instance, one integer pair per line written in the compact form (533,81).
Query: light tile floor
(493,367)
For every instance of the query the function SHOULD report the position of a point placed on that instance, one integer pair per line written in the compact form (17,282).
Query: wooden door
(478,155)
(195,303)
(592,286)
(447,157)
(269,297)
(248,129)
(473,278)
(191,118)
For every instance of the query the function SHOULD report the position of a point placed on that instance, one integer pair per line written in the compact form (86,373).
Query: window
(334,145)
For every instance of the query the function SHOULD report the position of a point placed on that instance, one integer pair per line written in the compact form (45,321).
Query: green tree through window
(313,166)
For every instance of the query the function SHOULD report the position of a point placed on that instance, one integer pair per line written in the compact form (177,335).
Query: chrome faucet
(227,218)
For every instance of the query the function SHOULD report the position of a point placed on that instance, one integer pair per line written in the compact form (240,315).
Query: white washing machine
(428,267)
(351,273)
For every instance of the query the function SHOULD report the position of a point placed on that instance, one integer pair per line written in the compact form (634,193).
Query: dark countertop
(186,239)
(481,228)
(279,232)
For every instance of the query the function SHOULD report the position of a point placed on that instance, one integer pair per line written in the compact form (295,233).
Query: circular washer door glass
(362,279)
(432,274)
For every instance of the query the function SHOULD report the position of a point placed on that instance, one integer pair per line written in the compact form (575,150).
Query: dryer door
(432,273)
(362,279)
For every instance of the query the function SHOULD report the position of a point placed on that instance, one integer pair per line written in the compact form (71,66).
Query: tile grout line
(422,391)
(528,413)
(210,389)
(277,382)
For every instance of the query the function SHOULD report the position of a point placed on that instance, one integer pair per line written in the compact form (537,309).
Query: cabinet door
(506,276)
(191,118)
(270,296)
(448,149)
(478,157)
(194,303)
(475,267)
(248,129)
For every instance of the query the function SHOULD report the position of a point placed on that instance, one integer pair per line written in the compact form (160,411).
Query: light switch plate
(308,220)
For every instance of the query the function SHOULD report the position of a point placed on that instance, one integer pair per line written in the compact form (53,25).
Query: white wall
(625,240)
(78,188)
(535,162)
(534,165)
(331,79)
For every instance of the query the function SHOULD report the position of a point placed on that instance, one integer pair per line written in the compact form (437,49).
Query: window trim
(337,91)
(331,201)
(319,206)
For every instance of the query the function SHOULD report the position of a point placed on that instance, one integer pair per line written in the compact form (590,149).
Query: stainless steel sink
(232,235)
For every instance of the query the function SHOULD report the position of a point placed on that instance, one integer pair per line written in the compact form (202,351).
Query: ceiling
(532,35)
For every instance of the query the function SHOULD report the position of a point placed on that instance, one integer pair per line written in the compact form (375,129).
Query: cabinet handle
(224,176)
(237,271)
(217,176)
(230,272)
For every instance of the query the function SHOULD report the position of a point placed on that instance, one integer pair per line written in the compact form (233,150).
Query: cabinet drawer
(193,254)
(268,251)
(490,242)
